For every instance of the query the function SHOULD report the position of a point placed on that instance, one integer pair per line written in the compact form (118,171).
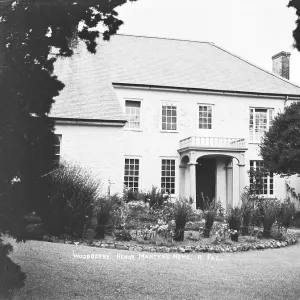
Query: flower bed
(243,245)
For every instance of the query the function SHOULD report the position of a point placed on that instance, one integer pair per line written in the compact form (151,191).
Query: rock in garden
(188,249)
(121,247)
(181,250)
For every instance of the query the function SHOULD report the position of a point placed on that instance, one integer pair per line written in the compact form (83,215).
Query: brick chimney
(281,64)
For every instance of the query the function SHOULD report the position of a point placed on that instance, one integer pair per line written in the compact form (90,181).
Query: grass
(53,273)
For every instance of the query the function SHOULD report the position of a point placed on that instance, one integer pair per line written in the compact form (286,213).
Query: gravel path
(54,273)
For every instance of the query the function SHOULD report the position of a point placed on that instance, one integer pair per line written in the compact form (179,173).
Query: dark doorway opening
(205,180)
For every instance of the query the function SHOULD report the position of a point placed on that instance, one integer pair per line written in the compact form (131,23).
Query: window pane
(205,116)
(168,176)
(260,119)
(131,168)
(266,183)
(169,116)
(133,112)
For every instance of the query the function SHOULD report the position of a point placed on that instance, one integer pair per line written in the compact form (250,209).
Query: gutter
(207,91)
(90,122)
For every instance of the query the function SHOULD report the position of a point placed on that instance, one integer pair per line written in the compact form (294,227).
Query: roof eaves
(189,89)
(59,119)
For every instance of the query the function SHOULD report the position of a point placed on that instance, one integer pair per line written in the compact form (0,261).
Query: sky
(254,30)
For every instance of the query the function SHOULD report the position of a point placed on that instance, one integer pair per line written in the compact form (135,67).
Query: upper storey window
(133,113)
(169,116)
(260,120)
(205,116)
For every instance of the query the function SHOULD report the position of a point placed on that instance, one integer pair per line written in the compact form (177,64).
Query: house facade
(184,116)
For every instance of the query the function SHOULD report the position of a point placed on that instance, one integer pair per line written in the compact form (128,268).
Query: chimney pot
(281,64)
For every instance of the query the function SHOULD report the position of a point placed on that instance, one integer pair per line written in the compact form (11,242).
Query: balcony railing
(213,143)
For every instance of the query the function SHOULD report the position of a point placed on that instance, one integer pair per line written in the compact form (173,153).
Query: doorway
(205,180)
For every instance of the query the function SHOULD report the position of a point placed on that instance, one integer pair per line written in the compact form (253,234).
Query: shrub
(247,210)
(258,212)
(131,195)
(156,197)
(234,220)
(271,208)
(210,214)
(296,219)
(112,213)
(286,214)
(182,211)
(122,235)
(11,276)
(220,212)
(70,207)
(277,234)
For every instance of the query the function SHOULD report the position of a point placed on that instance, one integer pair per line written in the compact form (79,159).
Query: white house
(185,116)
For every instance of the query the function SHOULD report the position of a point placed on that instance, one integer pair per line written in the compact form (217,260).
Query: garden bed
(245,243)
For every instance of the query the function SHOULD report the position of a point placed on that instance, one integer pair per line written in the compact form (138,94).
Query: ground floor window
(263,184)
(131,173)
(168,176)
(57,148)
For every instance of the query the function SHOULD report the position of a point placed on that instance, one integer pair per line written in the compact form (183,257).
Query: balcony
(213,143)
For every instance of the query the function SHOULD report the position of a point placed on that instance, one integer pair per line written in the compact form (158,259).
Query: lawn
(54,273)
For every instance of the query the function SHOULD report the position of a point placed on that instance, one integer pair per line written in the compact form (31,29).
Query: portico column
(242,181)
(182,179)
(229,184)
(193,183)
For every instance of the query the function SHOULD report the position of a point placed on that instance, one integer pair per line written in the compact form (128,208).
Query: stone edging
(269,244)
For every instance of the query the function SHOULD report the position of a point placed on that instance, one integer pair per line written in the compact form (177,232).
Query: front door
(205,180)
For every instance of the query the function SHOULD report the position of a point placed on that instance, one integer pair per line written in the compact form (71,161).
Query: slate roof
(89,93)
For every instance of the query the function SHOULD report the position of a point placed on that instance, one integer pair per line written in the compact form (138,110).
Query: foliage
(277,234)
(296,219)
(165,212)
(247,210)
(257,176)
(33,35)
(182,211)
(280,148)
(131,195)
(296,33)
(197,215)
(122,235)
(11,276)
(70,209)
(286,214)
(271,208)
(156,197)
(112,213)
(234,218)
(210,214)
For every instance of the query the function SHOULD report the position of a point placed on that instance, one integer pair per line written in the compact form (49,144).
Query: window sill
(252,142)
(169,131)
(132,129)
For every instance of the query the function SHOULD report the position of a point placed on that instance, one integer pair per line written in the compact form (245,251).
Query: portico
(212,167)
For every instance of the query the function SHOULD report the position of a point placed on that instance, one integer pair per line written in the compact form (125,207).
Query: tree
(33,34)
(296,33)
(280,148)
